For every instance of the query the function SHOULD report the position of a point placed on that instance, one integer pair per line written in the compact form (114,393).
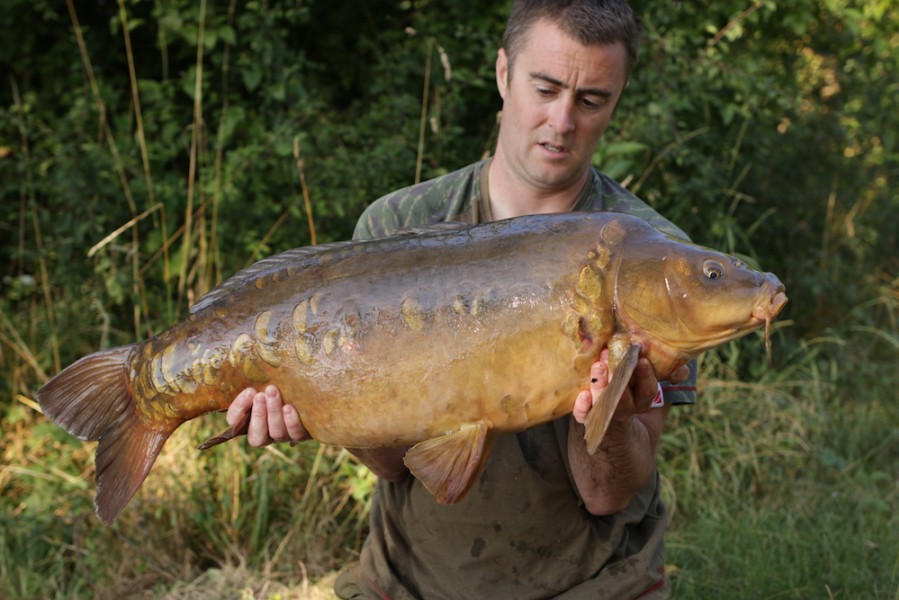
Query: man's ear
(502,72)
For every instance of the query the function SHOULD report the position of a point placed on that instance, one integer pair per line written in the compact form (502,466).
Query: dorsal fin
(301,258)
(297,258)
(441,227)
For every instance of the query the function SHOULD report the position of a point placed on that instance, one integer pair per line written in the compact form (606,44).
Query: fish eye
(713,269)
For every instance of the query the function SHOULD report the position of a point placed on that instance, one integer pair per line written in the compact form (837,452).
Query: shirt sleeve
(379,220)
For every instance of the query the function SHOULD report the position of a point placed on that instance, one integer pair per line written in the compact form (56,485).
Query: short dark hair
(591,22)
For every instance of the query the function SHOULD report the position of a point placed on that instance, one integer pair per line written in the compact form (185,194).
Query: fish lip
(777,302)
(771,308)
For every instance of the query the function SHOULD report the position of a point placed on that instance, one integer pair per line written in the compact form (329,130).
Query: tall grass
(282,519)
(785,488)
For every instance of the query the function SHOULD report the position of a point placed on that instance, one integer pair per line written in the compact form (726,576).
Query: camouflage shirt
(462,196)
(522,531)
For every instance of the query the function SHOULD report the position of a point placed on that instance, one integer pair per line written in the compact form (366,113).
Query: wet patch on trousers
(477,547)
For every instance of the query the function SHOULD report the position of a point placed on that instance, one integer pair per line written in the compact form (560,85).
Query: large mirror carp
(439,338)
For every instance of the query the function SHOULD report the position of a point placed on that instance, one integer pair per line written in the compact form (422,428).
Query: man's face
(557,102)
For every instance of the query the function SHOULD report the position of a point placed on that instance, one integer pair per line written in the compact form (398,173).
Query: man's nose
(561,116)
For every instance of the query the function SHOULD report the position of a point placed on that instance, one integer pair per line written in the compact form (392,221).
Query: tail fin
(91,399)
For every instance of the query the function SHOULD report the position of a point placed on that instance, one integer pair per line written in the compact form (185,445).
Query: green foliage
(764,128)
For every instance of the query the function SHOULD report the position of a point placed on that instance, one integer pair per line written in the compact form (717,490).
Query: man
(545,519)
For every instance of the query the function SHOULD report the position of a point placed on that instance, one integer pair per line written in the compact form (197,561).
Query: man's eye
(592,103)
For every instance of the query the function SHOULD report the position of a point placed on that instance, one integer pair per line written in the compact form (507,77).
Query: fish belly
(424,386)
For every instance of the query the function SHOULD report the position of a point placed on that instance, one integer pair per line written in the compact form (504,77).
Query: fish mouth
(770,309)
(763,314)
(767,311)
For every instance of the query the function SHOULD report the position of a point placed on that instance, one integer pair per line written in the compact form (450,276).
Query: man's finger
(295,428)
(680,375)
(645,386)
(241,405)
(599,379)
(582,405)
(257,434)
(277,430)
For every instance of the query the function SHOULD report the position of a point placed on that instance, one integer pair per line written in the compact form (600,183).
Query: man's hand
(638,396)
(608,479)
(273,421)
(270,419)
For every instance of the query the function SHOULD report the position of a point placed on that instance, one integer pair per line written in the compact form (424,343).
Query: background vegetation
(150,149)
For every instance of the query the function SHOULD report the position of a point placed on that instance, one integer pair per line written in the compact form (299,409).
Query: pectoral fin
(604,409)
(448,465)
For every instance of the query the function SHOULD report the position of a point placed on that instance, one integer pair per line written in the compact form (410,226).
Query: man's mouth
(554,149)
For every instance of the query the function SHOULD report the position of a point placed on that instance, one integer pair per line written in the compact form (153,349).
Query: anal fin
(449,464)
(600,416)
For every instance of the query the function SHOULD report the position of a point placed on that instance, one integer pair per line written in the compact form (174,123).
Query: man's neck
(511,197)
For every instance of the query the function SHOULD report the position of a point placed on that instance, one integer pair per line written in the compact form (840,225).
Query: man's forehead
(546,36)
(550,52)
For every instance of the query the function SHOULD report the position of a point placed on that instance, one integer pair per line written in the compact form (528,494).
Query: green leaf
(252,75)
